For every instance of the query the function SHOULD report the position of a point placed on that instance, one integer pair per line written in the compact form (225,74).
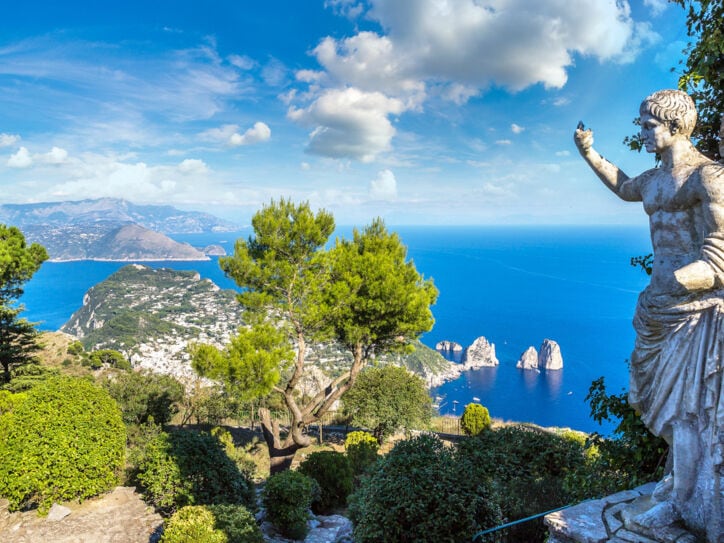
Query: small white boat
(476,399)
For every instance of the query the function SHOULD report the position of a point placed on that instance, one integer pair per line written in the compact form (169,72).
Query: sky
(439,112)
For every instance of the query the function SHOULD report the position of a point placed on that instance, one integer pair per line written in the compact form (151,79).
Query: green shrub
(243,460)
(192,524)
(187,467)
(475,419)
(361,449)
(287,498)
(109,357)
(75,348)
(212,524)
(145,395)
(529,467)
(418,492)
(333,473)
(66,441)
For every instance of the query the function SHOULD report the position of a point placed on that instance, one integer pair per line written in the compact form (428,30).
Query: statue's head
(673,107)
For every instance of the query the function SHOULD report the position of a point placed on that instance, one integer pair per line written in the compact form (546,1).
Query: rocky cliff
(549,356)
(528,360)
(480,354)
(448,346)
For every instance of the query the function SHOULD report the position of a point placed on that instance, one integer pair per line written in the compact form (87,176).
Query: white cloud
(503,142)
(349,123)
(657,7)
(56,155)
(7,140)
(21,159)
(228,134)
(305,166)
(241,61)
(348,8)
(516,129)
(430,40)
(563,153)
(561,101)
(384,186)
(260,132)
(193,166)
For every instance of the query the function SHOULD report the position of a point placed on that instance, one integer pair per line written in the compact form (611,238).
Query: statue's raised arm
(609,173)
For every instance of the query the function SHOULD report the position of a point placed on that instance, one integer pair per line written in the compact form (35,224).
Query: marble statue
(676,366)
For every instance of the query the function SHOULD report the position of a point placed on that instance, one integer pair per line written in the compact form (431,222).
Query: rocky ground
(121,516)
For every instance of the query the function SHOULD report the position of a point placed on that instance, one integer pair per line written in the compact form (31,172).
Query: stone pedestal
(610,519)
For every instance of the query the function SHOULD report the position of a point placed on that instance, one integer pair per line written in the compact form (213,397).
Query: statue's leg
(687,456)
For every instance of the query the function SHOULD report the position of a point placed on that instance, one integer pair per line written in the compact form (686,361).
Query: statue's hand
(583,139)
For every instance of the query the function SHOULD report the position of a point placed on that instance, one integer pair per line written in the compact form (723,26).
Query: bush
(187,467)
(361,448)
(145,395)
(529,467)
(212,524)
(475,419)
(333,473)
(66,441)
(287,497)
(243,460)
(418,492)
(110,357)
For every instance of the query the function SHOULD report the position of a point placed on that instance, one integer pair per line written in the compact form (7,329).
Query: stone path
(610,520)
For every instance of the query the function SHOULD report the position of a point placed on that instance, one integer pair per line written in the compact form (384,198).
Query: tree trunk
(281,454)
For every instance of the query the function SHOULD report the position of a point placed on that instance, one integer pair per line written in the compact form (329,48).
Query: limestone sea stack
(480,354)
(528,360)
(448,346)
(549,356)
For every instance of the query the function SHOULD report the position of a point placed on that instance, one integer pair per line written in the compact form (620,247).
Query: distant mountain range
(111,229)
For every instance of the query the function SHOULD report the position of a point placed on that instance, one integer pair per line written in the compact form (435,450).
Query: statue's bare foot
(660,515)
(662,491)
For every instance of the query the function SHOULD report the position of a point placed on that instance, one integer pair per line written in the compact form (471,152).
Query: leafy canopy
(388,399)
(18,262)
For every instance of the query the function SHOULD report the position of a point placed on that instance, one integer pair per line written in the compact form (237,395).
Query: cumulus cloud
(516,129)
(228,134)
(21,159)
(193,166)
(454,50)
(56,155)
(258,133)
(384,186)
(7,140)
(349,123)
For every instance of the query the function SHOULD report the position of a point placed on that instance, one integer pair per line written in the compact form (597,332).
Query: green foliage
(209,405)
(9,401)
(361,449)
(333,473)
(250,365)
(703,76)
(645,262)
(632,456)
(388,399)
(186,467)
(145,395)
(18,341)
(418,492)
(18,262)
(287,498)
(212,524)
(243,460)
(109,357)
(528,467)
(75,348)
(66,441)
(376,300)
(475,419)
(280,266)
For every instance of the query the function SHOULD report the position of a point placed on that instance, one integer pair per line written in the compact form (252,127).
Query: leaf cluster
(65,441)
(387,399)
(18,262)
(333,472)
(475,419)
(145,396)
(212,524)
(287,497)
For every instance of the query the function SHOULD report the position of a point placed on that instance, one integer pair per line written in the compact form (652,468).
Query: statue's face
(655,134)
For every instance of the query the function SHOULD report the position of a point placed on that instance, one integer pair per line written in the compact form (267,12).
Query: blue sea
(514,285)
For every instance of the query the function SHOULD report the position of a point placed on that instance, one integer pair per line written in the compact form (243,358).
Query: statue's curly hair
(674,107)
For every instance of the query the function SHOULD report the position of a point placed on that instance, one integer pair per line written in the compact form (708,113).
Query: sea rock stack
(528,360)
(448,346)
(480,354)
(549,356)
